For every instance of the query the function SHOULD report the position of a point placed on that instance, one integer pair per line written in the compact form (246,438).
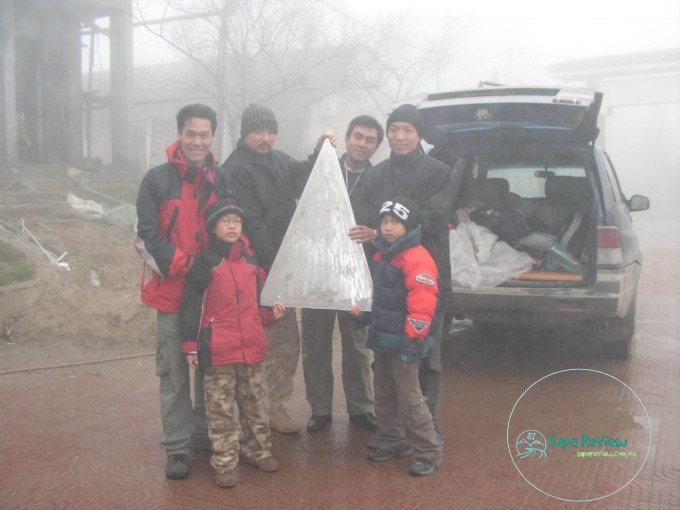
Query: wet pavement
(86,436)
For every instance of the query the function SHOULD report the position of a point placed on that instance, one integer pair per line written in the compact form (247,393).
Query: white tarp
(479,259)
(318,266)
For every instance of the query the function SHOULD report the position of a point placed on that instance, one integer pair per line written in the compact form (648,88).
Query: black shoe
(366,420)
(318,422)
(177,466)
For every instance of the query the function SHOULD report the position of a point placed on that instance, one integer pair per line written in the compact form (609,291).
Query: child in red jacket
(221,326)
(405,296)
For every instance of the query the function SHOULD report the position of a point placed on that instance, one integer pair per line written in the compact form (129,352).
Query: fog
(515,43)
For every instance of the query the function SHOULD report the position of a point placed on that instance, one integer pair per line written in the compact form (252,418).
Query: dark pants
(317,362)
(431,372)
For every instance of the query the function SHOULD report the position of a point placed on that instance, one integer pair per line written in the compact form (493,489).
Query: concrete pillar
(8,115)
(122,101)
(74,93)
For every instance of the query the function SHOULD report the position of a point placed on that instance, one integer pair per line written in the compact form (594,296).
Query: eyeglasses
(231,222)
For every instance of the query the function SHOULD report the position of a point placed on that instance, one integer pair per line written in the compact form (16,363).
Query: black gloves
(200,272)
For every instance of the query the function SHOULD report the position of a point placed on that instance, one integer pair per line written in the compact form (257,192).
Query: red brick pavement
(87,436)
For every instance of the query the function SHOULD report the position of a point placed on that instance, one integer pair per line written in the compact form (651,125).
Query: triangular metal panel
(318,266)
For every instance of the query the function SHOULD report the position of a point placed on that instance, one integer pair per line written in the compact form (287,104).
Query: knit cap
(225,206)
(258,116)
(404,210)
(407,113)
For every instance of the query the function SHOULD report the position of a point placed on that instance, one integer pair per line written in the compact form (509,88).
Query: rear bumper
(609,297)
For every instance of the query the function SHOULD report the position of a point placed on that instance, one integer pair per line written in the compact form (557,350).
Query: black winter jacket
(266,187)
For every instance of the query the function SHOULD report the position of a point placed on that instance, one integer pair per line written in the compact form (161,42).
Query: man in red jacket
(171,232)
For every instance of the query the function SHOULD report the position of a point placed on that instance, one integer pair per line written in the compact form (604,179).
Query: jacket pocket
(420,414)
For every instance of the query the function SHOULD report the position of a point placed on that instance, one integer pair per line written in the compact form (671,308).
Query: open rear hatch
(473,116)
(524,159)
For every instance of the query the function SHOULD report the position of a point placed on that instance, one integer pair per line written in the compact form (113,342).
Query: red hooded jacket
(223,322)
(171,228)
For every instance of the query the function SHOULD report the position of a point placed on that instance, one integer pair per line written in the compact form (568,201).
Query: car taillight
(609,246)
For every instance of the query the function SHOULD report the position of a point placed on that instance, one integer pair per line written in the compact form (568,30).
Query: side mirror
(638,203)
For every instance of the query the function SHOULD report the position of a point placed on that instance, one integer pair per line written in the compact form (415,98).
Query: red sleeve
(267,316)
(420,278)
(189,346)
(181,262)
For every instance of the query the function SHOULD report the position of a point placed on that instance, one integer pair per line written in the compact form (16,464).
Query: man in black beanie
(258,117)
(429,183)
(268,183)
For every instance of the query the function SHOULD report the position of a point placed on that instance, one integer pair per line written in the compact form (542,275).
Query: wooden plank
(550,276)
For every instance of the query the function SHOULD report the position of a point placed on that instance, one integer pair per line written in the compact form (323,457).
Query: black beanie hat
(225,206)
(407,113)
(404,210)
(258,116)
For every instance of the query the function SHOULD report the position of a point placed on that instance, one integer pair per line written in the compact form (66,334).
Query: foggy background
(382,52)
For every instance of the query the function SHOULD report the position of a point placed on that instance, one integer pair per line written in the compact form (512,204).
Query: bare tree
(241,51)
(404,54)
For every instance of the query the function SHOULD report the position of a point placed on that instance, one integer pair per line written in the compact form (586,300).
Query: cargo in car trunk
(539,206)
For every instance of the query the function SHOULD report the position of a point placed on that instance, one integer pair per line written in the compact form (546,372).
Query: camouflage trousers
(242,383)
(282,360)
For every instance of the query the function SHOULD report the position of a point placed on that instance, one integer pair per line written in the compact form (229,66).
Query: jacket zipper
(238,310)
(171,225)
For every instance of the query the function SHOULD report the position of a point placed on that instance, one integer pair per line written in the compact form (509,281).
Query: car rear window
(528,181)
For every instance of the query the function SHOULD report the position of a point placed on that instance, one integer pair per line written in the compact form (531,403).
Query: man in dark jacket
(429,183)
(362,139)
(171,232)
(268,182)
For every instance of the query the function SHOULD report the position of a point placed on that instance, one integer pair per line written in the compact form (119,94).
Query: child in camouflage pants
(221,325)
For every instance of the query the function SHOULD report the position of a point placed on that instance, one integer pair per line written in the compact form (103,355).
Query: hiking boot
(318,422)
(268,464)
(282,423)
(366,420)
(227,479)
(177,466)
(379,455)
(424,467)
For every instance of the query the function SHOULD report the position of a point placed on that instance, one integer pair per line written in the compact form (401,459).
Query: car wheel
(618,337)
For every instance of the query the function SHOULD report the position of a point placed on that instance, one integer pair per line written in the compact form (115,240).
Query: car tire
(618,337)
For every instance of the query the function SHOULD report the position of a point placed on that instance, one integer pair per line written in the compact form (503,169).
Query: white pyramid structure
(318,266)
